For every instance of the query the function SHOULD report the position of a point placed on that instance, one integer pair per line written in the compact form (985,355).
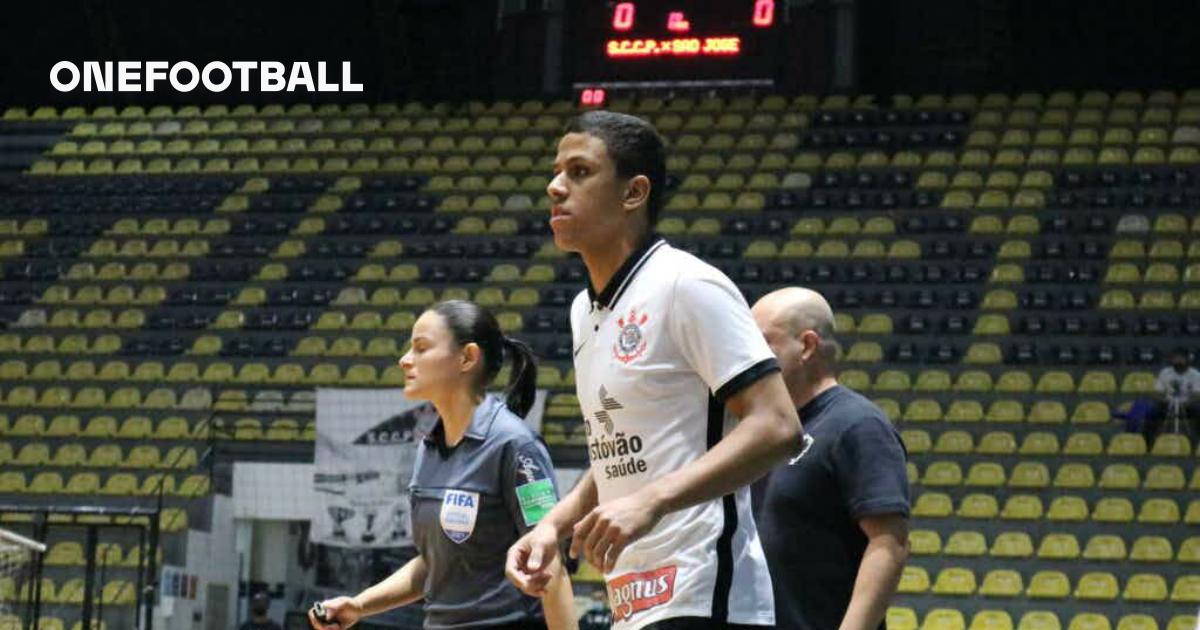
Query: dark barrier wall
(980,45)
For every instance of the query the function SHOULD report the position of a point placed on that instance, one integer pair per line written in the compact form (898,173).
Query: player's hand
(342,612)
(605,532)
(533,560)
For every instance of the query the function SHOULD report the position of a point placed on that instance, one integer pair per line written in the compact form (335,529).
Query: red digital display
(670,40)
(623,15)
(624,20)
(764,13)
(592,97)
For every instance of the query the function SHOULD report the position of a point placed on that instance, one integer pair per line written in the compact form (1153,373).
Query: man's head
(260,603)
(1179,360)
(609,178)
(798,325)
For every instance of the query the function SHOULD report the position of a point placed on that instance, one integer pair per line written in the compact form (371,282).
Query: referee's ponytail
(522,387)
(469,322)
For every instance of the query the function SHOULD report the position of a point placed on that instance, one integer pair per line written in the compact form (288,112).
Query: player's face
(586,195)
(433,364)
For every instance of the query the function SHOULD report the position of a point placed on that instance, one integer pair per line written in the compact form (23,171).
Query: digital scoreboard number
(675,40)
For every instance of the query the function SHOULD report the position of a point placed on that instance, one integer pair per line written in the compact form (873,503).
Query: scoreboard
(663,41)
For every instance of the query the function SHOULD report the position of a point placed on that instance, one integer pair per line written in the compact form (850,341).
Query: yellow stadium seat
(944,619)
(1002,583)
(1105,547)
(997,443)
(1055,382)
(1096,585)
(954,581)
(1039,620)
(1089,621)
(1015,381)
(1137,622)
(1186,589)
(1075,476)
(1012,545)
(933,505)
(965,543)
(1165,477)
(1028,474)
(1091,412)
(1172,445)
(923,410)
(1059,546)
(942,473)
(1113,510)
(964,411)
(924,542)
(978,506)
(1047,412)
(1048,585)
(1158,511)
(1127,445)
(904,618)
(1119,477)
(1040,443)
(915,441)
(985,474)
(913,580)
(1151,549)
(1083,443)
(1023,507)
(992,619)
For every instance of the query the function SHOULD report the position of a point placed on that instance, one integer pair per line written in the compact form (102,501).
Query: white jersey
(656,356)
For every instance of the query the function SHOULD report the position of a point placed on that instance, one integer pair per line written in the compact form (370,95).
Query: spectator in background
(260,603)
(1178,387)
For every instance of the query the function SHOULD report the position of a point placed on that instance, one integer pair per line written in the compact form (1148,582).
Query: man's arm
(768,431)
(879,572)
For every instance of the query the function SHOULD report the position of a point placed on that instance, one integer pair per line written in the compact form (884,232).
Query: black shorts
(698,623)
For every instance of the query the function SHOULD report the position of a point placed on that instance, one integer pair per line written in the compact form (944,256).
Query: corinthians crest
(631,342)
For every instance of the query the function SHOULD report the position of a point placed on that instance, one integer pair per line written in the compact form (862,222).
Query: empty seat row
(1091,586)
(107,455)
(942,618)
(1063,509)
(1009,381)
(114,484)
(1079,444)
(1074,475)
(32,425)
(1061,545)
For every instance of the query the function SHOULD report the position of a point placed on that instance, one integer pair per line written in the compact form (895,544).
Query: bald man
(834,519)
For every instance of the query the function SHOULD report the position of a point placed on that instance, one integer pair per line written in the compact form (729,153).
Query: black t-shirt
(852,467)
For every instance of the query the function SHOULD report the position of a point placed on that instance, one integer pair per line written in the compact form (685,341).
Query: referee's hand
(605,532)
(533,560)
(340,614)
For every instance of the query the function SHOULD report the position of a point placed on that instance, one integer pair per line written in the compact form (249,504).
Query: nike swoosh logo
(808,442)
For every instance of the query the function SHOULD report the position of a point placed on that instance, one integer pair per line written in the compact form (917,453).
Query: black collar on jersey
(625,273)
(481,424)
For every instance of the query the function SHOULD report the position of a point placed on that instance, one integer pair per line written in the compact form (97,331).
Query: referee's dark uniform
(852,467)
(470,504)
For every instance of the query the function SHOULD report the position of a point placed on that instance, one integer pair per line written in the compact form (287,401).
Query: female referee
(482,478)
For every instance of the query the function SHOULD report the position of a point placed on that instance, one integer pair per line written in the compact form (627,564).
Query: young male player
(664,346)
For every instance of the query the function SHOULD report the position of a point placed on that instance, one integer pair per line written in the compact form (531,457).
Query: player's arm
(879,572)
(405,586)
(559,602)
(768,431)
(531,559)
